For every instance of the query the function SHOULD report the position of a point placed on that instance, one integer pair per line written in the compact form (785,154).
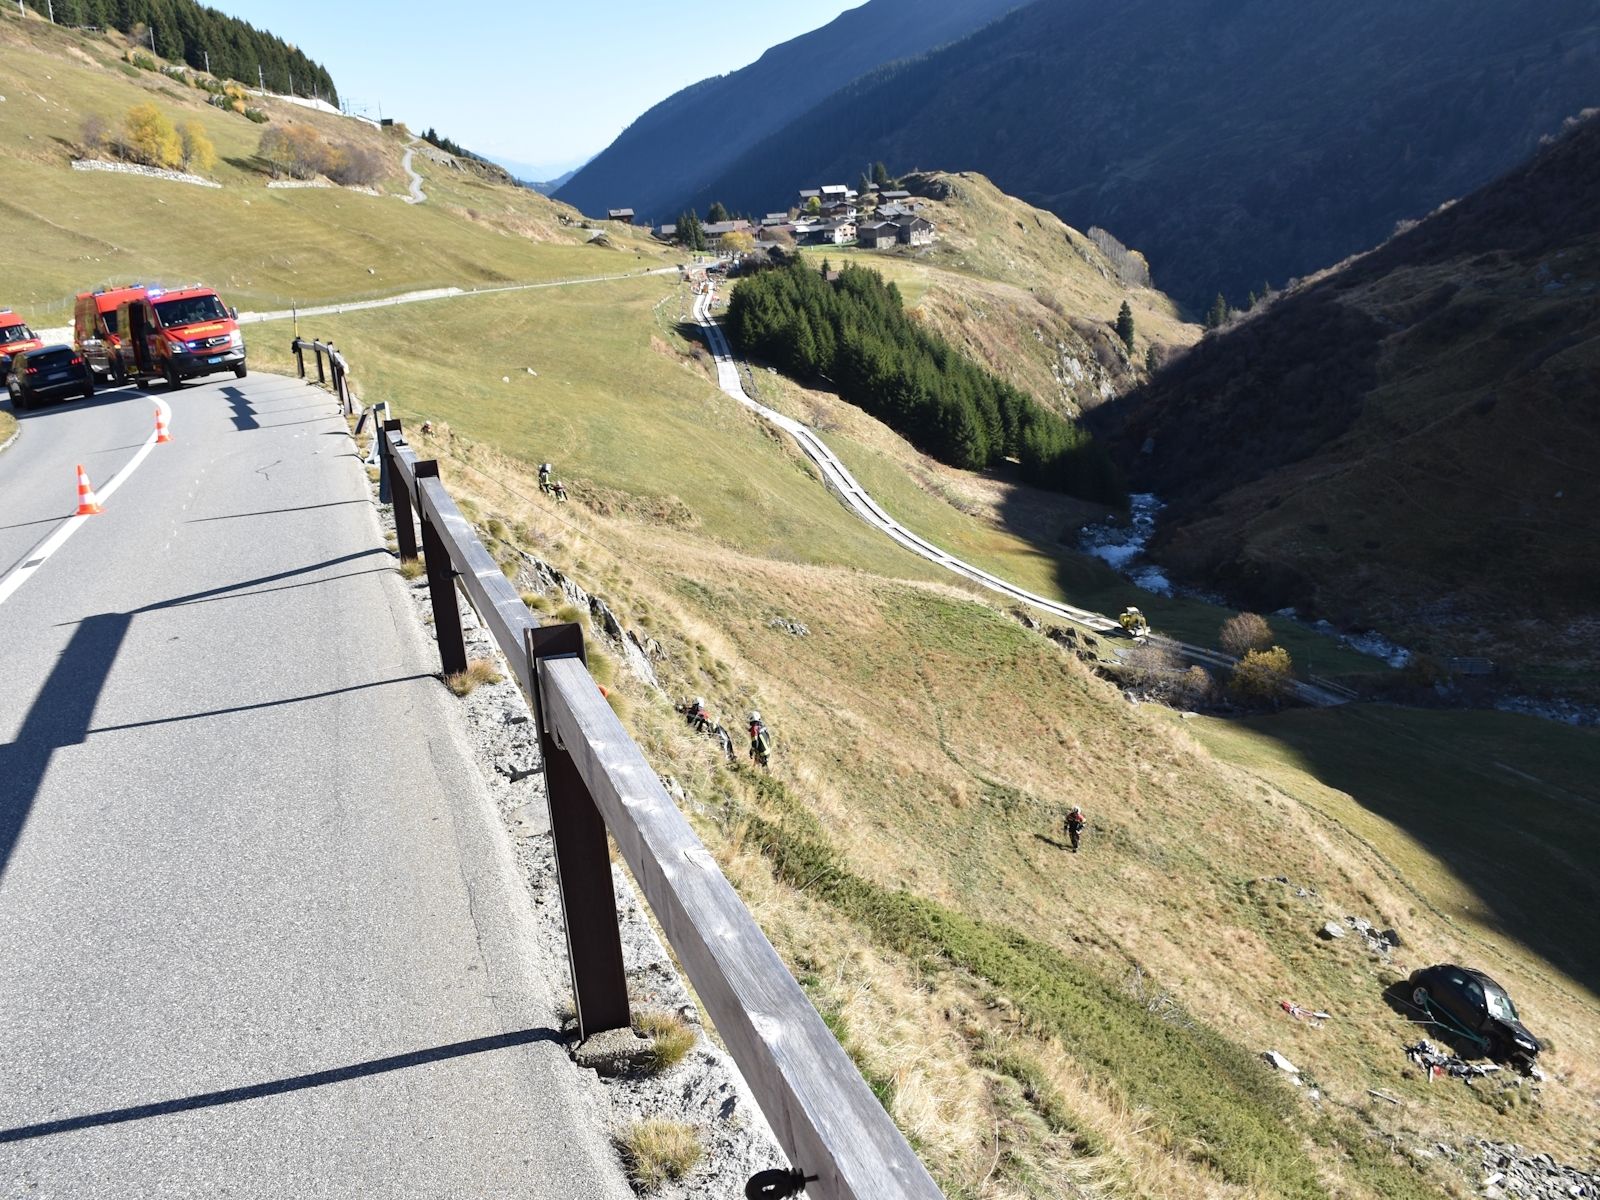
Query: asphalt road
(260,934)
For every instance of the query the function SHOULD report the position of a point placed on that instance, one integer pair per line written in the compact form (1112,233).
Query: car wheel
(88,391)
(241,371)
(17,402)
(118,375)
(174,380)
(1420,997)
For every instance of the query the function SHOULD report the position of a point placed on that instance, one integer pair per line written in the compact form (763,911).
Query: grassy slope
(1023,293)
(263,248)
(927,745)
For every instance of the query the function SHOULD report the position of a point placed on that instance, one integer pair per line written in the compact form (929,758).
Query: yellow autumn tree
(149,138)
(198,152)
(1264,675)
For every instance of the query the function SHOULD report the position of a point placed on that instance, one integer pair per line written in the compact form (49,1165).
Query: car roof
(7,317)
(38,351)
(1470,972)
(183,294)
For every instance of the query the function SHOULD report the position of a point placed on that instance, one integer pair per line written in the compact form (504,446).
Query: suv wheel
(1420,997)
(174,380)
(241,371)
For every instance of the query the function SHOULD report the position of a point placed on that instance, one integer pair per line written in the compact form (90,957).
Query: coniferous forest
(186,31)
(855,334)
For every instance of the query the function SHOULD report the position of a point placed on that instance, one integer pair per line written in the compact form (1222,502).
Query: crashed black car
(1461,1000)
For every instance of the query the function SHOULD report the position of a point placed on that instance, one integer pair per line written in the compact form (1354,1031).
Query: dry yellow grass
(479,671)
(658,1152)
(936,742)
(671,1037)
(413,568)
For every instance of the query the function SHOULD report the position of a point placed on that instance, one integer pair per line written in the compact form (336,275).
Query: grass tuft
(657,1152)
(413,568)
(671,1035)
(536,601)
(479,671)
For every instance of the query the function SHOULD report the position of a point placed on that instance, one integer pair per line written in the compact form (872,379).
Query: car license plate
(55,377)
(215,358)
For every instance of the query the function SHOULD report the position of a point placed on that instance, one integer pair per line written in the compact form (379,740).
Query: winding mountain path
(417,195)
(839,478)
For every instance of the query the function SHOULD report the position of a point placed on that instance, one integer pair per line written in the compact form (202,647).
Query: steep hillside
(1408,441)
(675,148)
(203,38)
(1233,142)
(1031,298)
(265,247)
(1042,1024)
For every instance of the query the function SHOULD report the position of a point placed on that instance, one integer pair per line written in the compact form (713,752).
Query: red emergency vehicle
(95,332)
(179,334)
(15,337)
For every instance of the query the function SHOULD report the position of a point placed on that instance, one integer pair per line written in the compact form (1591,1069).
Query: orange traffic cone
(162,435)
(88,506)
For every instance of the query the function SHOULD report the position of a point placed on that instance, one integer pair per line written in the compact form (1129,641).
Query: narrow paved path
(417,195)
(260,933)
(839,478)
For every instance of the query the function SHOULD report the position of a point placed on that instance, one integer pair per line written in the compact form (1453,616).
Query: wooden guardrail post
(299,358)
(321,377)
(583,861)
(382,431)
(441,586)
(405,532)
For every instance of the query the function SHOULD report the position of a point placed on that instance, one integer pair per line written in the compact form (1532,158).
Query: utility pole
(152,39)
(261,79)
(207,53)
(51,5)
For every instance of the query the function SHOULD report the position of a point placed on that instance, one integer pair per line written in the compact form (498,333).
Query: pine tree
(880,174)
(1219,314)
(1125,326)
(718,214)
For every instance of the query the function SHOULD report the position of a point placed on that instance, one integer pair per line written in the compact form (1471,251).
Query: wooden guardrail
(840,1142)
(336,368)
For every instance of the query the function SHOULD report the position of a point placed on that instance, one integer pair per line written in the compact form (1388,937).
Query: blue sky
(544,84)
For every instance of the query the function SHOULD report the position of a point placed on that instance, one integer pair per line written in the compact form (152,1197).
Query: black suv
(48,373)
(1462,1000)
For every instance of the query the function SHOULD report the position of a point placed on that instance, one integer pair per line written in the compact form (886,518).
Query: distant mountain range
(1235,142)
(1407,442)
(671,152)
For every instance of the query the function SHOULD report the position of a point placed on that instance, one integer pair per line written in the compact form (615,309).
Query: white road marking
(57,539)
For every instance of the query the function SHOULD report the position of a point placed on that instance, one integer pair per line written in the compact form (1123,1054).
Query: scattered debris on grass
(1301,1013)
(1378,941)
(1279,1061)
(1439,1063)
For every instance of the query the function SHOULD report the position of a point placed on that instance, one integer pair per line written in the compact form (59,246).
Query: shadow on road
(277,1087)
(272,512)
(64,705)
(239,708)
(59,717)
(244,413)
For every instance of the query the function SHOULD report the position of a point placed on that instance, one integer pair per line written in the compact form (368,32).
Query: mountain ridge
(667,153)
(1397,442)
(1235,143)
